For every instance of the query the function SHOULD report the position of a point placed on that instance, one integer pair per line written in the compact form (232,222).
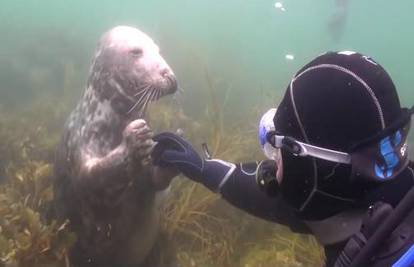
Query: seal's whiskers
(158,94)
(141,98)
(152,96)
(143,89)
(145,103)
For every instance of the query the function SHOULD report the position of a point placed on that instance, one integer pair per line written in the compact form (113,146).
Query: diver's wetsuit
(345,108)
(241,190)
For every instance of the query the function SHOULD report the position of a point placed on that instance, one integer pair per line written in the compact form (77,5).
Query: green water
(242,43)
(46,46)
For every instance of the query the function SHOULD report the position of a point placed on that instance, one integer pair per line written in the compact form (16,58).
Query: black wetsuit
(341,101)
(241,190)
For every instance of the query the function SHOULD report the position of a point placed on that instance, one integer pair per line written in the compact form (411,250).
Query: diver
(338,163)
(337,22)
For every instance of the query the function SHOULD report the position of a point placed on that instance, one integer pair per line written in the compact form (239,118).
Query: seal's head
(129,71)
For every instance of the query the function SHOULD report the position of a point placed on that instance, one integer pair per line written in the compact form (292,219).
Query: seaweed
(284,249)
(200,228)
(29,236)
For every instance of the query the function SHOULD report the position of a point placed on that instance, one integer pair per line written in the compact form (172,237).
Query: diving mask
(379,158)
(267,126)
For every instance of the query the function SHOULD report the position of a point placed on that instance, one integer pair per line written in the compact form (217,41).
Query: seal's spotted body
(105,182)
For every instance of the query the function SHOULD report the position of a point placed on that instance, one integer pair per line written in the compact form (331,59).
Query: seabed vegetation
(29,236)
(200,229)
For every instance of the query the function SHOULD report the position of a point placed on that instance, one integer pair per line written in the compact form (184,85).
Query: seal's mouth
(172,85)
(152,93)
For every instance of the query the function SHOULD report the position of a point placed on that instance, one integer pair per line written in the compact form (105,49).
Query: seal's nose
(173,84)
(165,72)
(168,76)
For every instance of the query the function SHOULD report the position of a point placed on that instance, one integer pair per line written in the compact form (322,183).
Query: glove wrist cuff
(216,173)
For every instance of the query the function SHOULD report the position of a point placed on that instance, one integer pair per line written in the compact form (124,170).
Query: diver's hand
(174,151)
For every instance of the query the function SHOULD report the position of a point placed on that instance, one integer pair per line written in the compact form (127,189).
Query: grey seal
(105,182)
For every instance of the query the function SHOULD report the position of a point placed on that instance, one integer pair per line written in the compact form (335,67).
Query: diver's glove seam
(227,174)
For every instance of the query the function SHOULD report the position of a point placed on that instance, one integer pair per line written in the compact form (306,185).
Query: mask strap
(401,122)
(303,150)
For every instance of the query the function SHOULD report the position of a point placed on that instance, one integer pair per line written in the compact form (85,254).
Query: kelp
(282,248)
(29,236)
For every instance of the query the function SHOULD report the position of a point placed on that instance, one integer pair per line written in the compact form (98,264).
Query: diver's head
(342,131)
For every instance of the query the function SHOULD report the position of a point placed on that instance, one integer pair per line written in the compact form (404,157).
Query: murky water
(242,43)
(246,49)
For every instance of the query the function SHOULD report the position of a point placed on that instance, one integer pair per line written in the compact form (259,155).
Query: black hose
(405,206)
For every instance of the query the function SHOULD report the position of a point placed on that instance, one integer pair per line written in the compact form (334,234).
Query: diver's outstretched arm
(235,182)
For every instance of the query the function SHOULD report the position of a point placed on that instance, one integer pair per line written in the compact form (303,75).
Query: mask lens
(266,128)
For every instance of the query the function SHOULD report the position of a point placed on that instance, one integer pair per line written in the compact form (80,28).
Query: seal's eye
(136,52)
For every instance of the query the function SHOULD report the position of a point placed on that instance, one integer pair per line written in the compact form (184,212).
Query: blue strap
(407,260)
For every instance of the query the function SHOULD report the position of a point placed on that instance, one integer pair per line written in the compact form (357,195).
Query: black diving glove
(172,150)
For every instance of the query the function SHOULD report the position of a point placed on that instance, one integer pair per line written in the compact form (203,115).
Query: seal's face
(129,71)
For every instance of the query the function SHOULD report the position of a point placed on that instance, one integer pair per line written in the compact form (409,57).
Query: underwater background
(233,60)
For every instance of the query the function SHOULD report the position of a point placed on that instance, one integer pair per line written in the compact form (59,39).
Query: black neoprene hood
(337,101)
